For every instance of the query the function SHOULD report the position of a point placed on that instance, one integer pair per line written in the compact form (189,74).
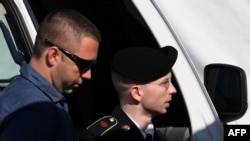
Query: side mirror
(227,87)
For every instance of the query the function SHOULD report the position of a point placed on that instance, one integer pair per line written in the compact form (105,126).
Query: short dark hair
(61,23)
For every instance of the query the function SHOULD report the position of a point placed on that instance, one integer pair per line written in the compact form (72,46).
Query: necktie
(149,137)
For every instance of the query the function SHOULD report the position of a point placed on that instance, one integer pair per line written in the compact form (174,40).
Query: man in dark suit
(142,79)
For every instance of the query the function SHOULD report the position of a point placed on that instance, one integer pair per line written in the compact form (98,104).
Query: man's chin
(69,91)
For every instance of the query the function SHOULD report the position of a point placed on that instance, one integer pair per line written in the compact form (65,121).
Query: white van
(211,72)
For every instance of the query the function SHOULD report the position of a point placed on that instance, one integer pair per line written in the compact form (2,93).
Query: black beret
(144,64)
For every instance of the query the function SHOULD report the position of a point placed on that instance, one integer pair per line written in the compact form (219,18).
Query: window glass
(8,68)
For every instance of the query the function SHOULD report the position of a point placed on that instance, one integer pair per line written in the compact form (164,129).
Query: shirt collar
(149,129)
(40,82)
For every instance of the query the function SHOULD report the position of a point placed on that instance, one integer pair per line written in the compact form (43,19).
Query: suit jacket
(124,129)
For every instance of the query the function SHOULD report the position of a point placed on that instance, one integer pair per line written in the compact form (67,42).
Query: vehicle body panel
(211,32)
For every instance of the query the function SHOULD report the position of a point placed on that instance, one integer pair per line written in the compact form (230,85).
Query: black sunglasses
(81,63)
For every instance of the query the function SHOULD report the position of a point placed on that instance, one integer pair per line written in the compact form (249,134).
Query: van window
(8,68)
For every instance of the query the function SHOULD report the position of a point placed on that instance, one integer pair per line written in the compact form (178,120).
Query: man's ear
(135,92)
(52,56)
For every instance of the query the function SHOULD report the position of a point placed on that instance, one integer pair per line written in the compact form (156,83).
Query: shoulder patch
(102,125)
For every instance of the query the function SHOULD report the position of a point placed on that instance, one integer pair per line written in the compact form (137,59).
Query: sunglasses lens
(81,63)
(84,64)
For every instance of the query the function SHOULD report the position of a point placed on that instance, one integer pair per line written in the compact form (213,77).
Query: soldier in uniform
(142,78)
